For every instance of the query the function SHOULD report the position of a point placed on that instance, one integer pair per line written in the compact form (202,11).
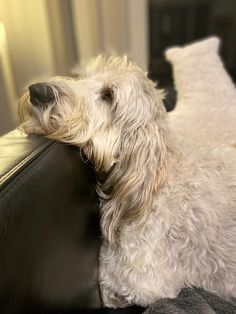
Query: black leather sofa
(49,229)
(49,236)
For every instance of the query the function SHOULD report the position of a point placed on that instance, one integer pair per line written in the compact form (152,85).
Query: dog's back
(204,124)
(204,121)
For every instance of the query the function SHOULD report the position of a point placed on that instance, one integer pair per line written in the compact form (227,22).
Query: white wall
(8,116)
(138,32)
(29,40)
(38,48)
(87,28)
(112,27)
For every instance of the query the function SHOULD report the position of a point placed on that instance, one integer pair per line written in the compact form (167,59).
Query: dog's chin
(31,127)
(31,123)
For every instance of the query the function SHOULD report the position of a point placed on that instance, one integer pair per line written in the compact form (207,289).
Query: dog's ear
(142,171)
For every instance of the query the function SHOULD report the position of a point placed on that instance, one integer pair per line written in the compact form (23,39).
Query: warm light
(2,31)
(6,75)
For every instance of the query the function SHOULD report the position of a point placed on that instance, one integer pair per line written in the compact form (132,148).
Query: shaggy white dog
(167,183)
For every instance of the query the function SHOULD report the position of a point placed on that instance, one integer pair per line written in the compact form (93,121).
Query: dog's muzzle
(41,94)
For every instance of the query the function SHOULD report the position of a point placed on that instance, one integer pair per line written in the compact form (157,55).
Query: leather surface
(49,226)
(16,150)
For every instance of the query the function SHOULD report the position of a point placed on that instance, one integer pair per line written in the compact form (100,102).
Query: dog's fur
(168,195)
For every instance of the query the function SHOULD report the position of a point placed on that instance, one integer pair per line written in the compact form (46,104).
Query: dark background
(177,22)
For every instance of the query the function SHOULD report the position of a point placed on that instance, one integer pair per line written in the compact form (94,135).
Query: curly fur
(167,184)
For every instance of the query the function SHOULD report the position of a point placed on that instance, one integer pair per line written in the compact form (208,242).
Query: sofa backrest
(49,226)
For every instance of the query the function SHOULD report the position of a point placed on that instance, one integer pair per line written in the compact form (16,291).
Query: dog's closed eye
(107,94)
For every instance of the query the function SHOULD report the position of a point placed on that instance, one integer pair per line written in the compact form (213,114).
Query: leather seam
(27,160)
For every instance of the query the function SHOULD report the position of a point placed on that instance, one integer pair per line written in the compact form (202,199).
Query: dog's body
(167,183)
(189,238)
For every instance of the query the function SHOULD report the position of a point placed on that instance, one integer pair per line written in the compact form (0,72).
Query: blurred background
(42,38)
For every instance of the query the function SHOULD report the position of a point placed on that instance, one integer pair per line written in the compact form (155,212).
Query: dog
(168,201)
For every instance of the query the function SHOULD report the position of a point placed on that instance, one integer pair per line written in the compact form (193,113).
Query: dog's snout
(40,94)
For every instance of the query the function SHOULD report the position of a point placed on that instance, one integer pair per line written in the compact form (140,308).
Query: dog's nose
(40,94)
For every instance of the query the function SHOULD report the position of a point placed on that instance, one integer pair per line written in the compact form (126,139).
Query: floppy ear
(129,190)
(131,186)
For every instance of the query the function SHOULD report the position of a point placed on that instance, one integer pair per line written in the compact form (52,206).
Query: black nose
(40,94)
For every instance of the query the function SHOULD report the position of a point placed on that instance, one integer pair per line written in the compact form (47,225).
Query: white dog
(167,186)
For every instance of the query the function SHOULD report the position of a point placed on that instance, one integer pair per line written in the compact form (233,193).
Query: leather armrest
(49,226)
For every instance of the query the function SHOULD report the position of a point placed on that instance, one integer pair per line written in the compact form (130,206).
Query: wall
(112,27)
(40,45)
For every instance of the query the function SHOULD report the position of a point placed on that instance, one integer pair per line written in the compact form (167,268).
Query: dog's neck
(127,190)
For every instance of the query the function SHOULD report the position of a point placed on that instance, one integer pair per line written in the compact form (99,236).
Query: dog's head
(115,114)
(110,99)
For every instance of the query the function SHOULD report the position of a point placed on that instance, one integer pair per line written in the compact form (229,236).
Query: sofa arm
(49,226)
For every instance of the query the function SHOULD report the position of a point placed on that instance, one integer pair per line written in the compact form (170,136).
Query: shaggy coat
(167,183)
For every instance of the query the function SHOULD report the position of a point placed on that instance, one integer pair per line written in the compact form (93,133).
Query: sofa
(49,227)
